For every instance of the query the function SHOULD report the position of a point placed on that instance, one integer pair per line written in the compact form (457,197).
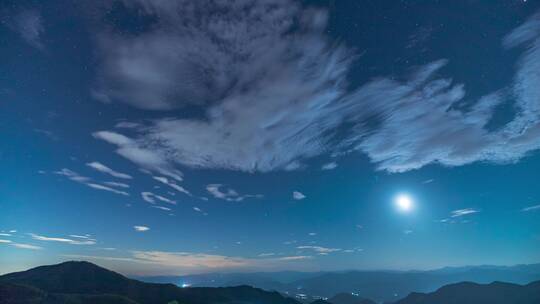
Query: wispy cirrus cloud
(279,86)
(16,244)
(76,177)
(105,188)
(26,246)
(171,184)
(29,25)
(329,166)
(86,236)
(116,184)
(141,228)
(197,209)
(297,195)
(152,198)
(165,262)
(221,192)
(84,241)
(104,169)
(531,208)
(267,86)
(137,151)
(161,208)
(462,212)
(319,249)
(295,258)
(457,215)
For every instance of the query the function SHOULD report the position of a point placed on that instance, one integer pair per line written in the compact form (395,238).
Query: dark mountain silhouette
(10,293)
(20,294)
(473,293)
(390,286)
(380,286)
(86,283)
(347,298)
(83,282)
(320,302)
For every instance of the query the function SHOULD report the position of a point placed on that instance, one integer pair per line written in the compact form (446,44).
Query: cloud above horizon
(297,195)
(462,212)
(219,191)
(151,198)
(531,208)
(83,240)
(26,246)
(319,249)
(104,169)
(76,177)
(141,228)
(274,91)
(29,25)
(194,261)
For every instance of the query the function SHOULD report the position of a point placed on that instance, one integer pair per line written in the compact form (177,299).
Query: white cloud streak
(221,192)
(161,208)
(531,208)
(298,195)
(319,249)
(116,184)
(141,228)
(26,246)
(104,169)
(329,166)
(87,236)
(74,176)
(295,258)
(171,184)
(63,240)
(105,188)
(462,212)
(151,198)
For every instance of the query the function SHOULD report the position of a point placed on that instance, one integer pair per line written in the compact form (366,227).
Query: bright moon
(404,202)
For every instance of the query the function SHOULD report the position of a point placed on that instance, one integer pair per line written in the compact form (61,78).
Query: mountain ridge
(474,293)
(84,282)
(79,282)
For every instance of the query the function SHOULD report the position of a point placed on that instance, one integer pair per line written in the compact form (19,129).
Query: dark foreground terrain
(83,282)
(86,283)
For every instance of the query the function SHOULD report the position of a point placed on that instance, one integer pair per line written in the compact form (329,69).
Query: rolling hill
(83,282)
(473,293)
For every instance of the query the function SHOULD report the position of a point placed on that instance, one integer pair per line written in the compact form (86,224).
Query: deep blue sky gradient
(48,115)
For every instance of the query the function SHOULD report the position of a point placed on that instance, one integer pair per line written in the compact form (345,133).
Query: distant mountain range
(381,286)
(472,293)
(86,283)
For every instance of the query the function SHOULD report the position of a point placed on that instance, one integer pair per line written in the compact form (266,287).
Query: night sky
(174,137)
